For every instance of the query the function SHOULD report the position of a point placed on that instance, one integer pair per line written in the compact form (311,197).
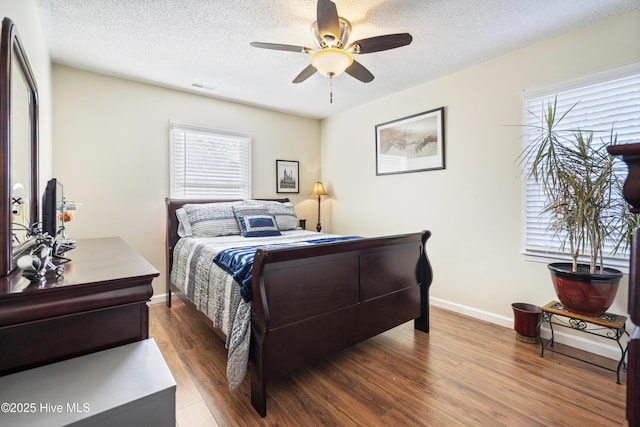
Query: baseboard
(601,348)
(604,349)
(157,299)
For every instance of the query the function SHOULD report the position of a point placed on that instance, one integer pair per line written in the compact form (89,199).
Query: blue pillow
(258,225)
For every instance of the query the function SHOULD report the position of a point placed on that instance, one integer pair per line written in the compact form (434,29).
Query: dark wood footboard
(311,302)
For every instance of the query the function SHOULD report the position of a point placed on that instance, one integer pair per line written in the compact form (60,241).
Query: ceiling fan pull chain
(331,88)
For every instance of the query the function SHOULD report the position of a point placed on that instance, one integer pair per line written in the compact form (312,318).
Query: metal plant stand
(610,326)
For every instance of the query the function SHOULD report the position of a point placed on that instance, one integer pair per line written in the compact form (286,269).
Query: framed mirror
(18,146)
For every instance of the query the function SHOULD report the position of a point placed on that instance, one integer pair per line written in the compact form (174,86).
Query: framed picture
(287,176)
(411,144)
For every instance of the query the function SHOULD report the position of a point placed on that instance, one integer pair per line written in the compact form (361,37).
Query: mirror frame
(11,50)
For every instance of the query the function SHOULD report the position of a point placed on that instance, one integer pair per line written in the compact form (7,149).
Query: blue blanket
(238,262)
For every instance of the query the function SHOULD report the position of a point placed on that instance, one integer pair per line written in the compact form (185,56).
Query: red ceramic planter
(526,321)
(584,293)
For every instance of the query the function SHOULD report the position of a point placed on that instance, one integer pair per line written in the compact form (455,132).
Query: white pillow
(184,228)
(208,219)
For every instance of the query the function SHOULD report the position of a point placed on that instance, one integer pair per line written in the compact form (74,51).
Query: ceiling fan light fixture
(333,56)
(331,61)
(332,40)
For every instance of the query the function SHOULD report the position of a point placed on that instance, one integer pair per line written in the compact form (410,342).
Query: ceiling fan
(333,56)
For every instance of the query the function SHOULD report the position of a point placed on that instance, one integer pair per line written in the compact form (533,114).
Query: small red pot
(526,319)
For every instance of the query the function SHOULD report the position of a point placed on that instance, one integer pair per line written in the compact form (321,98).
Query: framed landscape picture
(287,176)
(411,144)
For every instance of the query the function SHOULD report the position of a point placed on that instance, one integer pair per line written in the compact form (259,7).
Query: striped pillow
(248,209)
(284,213)
(209,219)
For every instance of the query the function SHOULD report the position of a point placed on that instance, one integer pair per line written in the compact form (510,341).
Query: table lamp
(318,190)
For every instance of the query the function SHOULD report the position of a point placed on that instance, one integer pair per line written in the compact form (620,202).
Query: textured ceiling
(177,43)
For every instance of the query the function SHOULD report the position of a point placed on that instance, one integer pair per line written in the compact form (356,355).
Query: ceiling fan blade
(379,43)
(359,71)
(277,46)
(305,74)
(328,23)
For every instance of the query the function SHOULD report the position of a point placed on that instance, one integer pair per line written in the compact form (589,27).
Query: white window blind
(604,100)
(209,163)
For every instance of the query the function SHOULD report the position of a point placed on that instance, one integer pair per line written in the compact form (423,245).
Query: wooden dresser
(630,154)
(99,303)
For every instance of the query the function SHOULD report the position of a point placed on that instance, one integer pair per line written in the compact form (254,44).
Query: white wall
(24,15)
(474,207)
(111,153)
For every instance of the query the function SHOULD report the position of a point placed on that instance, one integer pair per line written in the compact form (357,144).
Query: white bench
(129,385)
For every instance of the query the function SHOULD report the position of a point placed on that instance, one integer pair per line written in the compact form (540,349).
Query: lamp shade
(18,192)
(331,61)
(318,190)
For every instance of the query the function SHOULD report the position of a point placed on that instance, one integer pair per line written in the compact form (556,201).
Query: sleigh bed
(307,300)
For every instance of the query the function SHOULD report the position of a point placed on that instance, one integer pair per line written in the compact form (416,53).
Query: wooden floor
(465,372)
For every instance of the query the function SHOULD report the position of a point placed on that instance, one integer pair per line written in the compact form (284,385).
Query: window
(209,163)
(607,99)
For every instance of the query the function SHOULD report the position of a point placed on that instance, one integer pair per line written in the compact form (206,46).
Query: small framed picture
(287,176)
(411,144)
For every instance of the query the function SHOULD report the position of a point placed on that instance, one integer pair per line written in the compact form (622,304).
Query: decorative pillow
(209,219)
(248,209)
(284,213)
(258,225)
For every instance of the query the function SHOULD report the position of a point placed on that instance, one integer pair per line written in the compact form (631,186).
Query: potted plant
(583,197)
